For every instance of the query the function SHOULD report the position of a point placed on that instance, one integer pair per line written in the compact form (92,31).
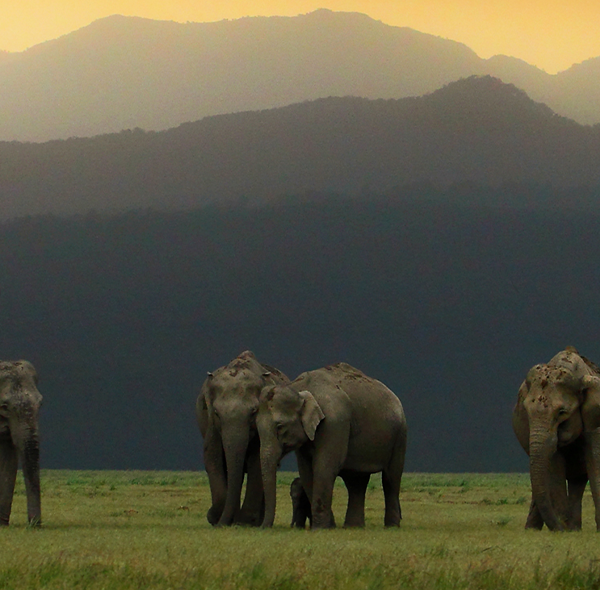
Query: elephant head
(20,402)
(556,404)
(227,410)
(286,420)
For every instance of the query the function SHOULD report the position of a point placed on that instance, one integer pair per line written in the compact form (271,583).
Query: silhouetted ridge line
(125,72)
(477,130)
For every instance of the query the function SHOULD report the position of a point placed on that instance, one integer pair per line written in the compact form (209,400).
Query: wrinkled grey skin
(226,412)
(20,402)
(339,422)
(557,422)
(300,505)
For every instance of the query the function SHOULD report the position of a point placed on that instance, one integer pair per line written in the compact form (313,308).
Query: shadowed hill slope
(448,305)
(477,130)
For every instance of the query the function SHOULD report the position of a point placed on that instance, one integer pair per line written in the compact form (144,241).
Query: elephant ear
(590,409)
(311,414)
(267,393)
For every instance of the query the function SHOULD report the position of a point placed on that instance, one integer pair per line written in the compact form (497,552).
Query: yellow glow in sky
(550,34)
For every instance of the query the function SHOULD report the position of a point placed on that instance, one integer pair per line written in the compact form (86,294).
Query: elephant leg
(534,518)
(391,479)
(559,494)
(322,514)
(253,507)
(328,457)
(576,487)
(356,483)
(306,478)
(300,505)
(8,474)
(592,460)
(325,470)
(214,463)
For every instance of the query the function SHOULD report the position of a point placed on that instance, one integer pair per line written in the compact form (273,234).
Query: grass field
(106,529)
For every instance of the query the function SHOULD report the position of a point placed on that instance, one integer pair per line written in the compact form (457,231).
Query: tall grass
(105,530)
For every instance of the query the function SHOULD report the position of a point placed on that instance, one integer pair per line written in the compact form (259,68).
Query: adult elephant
(226,411)
(20,402)
(339,422)
(557,422)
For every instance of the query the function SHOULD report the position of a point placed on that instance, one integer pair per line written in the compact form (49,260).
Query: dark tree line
(448,304)
(475,131)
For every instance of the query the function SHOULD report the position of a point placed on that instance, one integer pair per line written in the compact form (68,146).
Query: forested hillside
(477,130)
(448,304)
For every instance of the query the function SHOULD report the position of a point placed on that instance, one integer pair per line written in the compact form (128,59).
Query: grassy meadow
(130,529)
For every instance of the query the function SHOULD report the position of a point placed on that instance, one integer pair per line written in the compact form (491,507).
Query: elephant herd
(336,419)
(339,422)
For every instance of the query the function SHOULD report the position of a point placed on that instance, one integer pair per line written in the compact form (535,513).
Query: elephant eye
(563,412)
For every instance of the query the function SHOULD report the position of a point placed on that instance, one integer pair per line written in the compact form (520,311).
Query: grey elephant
(339,422)
(20,402)
(226,410)
(557,421)
(300,505)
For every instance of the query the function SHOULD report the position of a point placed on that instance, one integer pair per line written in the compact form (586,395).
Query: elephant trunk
(270,455)
(235,444)
(28,447)
(544,481)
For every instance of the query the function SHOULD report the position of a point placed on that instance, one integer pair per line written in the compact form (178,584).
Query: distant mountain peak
(121,72)
(490,92)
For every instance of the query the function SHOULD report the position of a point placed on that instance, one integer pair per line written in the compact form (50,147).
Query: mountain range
(478,130)
(125,72)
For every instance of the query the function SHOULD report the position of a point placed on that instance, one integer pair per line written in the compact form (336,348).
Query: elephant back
(277,376)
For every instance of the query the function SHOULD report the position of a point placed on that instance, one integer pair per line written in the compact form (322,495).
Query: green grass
(105,530)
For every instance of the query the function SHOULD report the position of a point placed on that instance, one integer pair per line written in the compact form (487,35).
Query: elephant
(226,413)
(557,422)
(339,422)
(300,505)
(20,402)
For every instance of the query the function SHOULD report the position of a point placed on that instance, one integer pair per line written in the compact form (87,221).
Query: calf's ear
(311,414)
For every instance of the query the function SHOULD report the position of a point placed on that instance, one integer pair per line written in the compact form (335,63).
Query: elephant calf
(339,422)
(300,505)
(20,402)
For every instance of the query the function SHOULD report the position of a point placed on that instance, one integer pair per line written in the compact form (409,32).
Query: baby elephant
(300,505)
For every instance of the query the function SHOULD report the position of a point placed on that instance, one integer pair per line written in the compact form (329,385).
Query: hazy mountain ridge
(124,72)
(477,130)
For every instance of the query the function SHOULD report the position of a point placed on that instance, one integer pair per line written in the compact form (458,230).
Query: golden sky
(551,34)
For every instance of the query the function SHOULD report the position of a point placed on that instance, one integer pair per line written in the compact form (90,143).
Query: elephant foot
(574,527)
(322,524)
(212,516)
(249,519)
(356,522)
(534,521)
